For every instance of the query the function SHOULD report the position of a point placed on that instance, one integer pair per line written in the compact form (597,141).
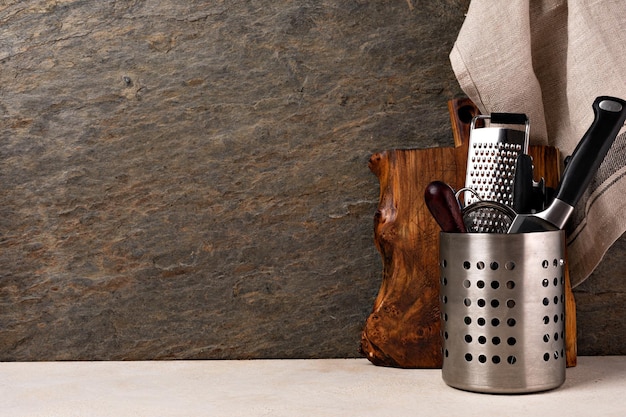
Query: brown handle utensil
(444,207)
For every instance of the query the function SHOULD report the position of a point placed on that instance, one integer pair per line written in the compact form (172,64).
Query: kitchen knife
(609,117)
(444,207)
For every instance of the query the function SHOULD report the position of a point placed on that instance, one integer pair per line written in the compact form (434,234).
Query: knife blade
(609,117)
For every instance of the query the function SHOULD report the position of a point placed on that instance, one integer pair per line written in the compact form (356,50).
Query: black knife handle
(523,184)
(609,117)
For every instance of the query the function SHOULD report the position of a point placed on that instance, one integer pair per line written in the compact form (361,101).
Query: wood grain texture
(404,327)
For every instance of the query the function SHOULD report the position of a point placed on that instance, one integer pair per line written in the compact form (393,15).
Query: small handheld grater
(491,159)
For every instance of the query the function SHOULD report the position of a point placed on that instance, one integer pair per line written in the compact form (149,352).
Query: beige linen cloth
(550,59)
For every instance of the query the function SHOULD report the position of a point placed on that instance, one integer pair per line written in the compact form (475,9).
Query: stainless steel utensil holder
(502,308)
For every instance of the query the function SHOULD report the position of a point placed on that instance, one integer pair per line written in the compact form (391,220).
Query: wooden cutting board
(403,329)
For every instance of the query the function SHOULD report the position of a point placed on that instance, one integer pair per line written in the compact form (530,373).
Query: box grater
(491,159)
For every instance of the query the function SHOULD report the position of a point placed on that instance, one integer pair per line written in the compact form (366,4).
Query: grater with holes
(491,159)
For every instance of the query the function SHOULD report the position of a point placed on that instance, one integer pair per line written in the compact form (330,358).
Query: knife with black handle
(610,114)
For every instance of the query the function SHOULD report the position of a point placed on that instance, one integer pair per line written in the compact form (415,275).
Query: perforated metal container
(502,307)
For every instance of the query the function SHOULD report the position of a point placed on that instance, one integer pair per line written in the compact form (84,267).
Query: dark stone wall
(189,179)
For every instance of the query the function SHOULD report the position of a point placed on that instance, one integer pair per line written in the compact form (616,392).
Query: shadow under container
(503,311)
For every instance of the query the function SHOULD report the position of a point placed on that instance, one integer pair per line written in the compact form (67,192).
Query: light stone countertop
(308,388)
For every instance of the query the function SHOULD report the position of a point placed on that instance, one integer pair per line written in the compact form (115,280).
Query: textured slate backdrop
(189,179)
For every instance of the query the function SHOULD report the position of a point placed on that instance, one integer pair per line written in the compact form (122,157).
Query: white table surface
(308,388)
